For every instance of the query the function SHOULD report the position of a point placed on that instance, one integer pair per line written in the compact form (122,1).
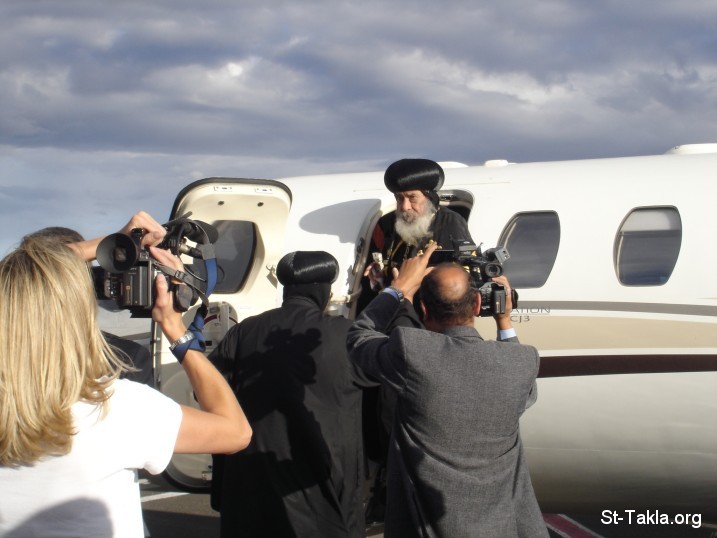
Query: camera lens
(120,255)
(117,253)
(491,270)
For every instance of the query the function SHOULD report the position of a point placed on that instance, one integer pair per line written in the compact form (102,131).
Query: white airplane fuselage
(626,415)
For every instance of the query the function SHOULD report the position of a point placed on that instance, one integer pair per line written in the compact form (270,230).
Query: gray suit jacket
(456,465)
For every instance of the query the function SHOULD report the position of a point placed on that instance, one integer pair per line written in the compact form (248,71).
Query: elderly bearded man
(418,218)
(400,235)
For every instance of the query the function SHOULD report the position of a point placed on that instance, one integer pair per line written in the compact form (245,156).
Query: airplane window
(647,246)
(234,249)
(532,241)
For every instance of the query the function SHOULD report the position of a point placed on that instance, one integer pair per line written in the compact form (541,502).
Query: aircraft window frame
(533,257)
(457,200)
(235,249)
(647,246)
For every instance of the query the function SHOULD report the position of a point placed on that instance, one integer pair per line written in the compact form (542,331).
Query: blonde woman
(72,434)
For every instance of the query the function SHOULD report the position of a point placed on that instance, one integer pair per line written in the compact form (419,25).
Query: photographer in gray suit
(456,465)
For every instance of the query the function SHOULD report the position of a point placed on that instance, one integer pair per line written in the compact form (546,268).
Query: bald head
(447,295)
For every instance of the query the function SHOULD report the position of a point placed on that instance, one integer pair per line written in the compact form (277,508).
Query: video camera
(127,271)
(482,266)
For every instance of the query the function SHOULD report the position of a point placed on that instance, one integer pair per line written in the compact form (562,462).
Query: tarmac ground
(170,513)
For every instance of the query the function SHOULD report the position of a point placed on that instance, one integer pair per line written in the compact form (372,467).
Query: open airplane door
(250,218)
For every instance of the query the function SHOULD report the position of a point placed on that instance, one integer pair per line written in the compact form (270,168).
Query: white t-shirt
(93,491)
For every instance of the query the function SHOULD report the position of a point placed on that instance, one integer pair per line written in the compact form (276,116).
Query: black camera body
(482,266)
(126,273)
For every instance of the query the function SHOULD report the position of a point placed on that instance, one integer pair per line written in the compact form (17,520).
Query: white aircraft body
(618,291)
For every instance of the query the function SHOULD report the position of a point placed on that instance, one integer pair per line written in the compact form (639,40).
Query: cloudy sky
(111,107)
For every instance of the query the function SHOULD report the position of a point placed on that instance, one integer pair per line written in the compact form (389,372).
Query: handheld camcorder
(127,271)
(482,266)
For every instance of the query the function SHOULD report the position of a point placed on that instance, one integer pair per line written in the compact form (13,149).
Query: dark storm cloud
(160,78)
(132,100)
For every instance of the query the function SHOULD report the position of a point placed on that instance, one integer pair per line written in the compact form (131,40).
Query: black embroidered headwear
(308,273)
(415,174)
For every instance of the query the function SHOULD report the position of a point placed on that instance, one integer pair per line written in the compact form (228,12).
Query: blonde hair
(52,353)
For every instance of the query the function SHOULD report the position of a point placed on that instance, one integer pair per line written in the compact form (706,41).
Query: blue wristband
(192,339)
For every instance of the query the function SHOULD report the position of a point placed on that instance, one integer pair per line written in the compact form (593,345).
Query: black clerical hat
(307,267)
(414,174)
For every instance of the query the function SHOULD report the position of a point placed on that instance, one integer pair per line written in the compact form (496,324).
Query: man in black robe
(398,236)
(302,473)
(418,219)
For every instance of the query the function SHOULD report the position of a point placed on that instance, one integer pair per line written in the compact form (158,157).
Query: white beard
(413,233)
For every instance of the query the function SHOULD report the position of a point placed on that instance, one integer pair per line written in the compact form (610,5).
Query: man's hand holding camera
(503,319)
(412,272)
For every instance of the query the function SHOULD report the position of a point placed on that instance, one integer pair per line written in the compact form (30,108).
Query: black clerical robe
(302,473)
